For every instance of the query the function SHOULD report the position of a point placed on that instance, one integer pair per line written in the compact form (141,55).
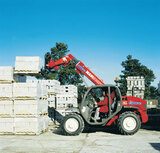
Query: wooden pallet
(6,82)
(6,116)
(6,98)
(25,98)
(52,93)
(27,73)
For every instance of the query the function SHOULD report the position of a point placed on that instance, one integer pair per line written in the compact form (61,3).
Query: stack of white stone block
(69,90)
(28,65)
(67,97)
(138,83)
(30,108)
(23,106)
(6,101)
(52,88)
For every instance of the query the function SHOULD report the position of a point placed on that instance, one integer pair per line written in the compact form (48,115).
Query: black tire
(122,123)
(70,131)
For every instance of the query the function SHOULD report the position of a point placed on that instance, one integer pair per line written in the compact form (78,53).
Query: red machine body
(139,104)
(128,102)
(81,68)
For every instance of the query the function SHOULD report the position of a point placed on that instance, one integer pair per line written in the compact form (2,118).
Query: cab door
(94,95)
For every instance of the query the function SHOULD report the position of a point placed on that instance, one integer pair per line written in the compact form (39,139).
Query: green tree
(132,67)
(67,75)
(153,92)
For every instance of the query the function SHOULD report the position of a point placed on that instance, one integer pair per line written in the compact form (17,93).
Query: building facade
(135,86)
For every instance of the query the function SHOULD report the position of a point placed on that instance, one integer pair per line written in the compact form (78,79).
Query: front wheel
(72,124)
(128,123)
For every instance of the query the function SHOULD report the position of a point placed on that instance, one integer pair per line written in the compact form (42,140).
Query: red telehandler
(126,112)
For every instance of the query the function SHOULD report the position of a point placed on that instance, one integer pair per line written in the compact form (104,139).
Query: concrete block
(64,100)
(69,89)
(51,104)
(6,73)
(44,91)
(6,108)
(29,125)
(45,122)
(30,107)
(51,97)
(6,125)
(44,108)
(6,90)
(32,90)
(52,86)
(53,89)
(28,64)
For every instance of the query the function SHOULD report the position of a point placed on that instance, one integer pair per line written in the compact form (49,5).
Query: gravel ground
(97,140)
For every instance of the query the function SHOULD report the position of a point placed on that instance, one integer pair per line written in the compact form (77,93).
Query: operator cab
(108,100)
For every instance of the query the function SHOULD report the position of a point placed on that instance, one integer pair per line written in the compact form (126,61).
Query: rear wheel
(129,123)
(72,124)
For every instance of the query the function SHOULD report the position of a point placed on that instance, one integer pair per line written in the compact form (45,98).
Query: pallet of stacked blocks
(6,125)
(64,100)
(30,125)
(32,108)
(27,90)
(69,89)
(6,108)
(6,74)
(6,90)
(28,65)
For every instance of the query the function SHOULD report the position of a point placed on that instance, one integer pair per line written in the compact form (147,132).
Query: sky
(100,33)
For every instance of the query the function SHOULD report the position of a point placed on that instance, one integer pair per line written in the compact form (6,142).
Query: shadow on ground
(112,129)
(156,146)
(152,124)
(92,129)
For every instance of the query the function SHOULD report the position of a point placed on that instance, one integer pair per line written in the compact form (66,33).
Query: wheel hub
(72,125)
(129,123)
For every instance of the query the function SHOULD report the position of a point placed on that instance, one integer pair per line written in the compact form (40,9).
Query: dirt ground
(96,140)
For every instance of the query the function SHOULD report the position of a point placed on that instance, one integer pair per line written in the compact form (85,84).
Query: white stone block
(32,90)
(30,107)
(6,90)
(52,86)
(6,125)
(51,97)
(30,64)
(51,101)
(44,91)
(33,125)
(64,100)
(51,104)
(69,89)
(6,108)
(44,106)
(6,73)
(53,89)
(45,122)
